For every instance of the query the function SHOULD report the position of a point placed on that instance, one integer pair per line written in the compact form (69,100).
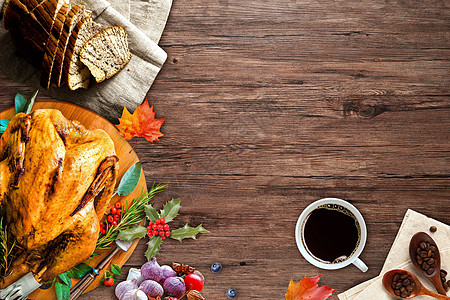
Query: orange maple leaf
(141,123)
(308,288)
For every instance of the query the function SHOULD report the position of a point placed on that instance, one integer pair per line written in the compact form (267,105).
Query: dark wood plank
(271,105)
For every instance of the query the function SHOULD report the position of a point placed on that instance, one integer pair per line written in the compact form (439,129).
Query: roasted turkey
(56,179)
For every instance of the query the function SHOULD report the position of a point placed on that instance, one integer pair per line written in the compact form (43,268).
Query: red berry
(150,233)
(160,227)
(103,231)
(109,281)
(119,211)
(154,227)
(167,233)
(193,282)
(151,224)
(113,210)
(161,233)
(118,205)
(149,229)
(155,232)
(157,221)
(114,223)
(116,218)
(110,219)
(163,237)
(166,227)
(162,220)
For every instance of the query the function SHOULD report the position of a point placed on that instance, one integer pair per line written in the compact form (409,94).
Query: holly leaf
(308,288)
(141,123)
(186,232)
(79,271)
(135,232)
(153,246)
(130,179)
(170,210)
(151,213)
(20,102)
(62,291)
(116,269)
(65,279)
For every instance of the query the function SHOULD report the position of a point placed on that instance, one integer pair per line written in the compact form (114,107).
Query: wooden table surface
(271,105)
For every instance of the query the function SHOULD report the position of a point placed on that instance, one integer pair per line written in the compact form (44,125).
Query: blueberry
(231,293)
(216,267)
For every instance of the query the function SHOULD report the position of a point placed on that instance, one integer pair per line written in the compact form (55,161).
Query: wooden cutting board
(127,157)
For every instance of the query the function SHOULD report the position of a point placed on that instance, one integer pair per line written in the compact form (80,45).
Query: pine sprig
(133,215)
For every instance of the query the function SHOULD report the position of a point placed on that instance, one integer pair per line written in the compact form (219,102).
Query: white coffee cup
(353,259)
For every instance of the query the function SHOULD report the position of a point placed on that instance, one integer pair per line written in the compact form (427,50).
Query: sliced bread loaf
(52,46)
(76,13)
(75,73)
(13,11)
(106,53)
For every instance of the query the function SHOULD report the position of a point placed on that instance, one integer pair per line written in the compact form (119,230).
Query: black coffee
(331,233)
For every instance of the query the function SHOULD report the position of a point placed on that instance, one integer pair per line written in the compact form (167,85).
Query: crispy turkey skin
(56,179)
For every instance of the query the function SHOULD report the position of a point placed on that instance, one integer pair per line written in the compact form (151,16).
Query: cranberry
(113,210)
(110,219)
(116,218)
(109,281)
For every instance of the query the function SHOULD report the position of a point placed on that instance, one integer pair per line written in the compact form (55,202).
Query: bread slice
(106,53)
(52,46)
(76,13)
(14,11)
(76,74)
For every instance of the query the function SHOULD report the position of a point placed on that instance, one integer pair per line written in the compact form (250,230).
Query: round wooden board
(127,157)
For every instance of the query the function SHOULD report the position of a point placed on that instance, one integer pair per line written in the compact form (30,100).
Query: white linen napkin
(398,257)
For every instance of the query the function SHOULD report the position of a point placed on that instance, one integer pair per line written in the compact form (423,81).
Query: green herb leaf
(151,213)
(62,291)
(30,103)
(107,273)
(130,179)
(79,271)
(187,232)
(116,269)
(153,246)
(170,210)
(3,124)
(132,233)
(65,279)
(20,103)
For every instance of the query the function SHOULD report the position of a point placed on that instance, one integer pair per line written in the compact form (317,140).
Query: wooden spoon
(419,289)
(434,277)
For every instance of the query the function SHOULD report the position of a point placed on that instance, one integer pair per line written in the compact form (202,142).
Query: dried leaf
(308,288)
(194,295)
(141,123)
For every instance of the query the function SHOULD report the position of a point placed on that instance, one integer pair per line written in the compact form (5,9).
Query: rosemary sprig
(133,215)
(6,248)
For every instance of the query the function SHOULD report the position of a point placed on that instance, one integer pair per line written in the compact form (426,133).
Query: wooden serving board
(127,157)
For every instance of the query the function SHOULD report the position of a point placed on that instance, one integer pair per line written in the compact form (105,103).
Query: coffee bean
(402,289)
(397,292)
(423,254)
(431,261)
(423,245)
(448,283)
(426,259)
(430,253)
(445,285)
(433,248)
(430,271)
(410,288)
(404,276)
(404,295)
(399,285)
(396,277)
(425,266)
(443,272)
(406,282)
(420,261)
(433,228)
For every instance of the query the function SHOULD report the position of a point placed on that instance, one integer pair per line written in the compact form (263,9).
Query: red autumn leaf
(141,123)
(308,288)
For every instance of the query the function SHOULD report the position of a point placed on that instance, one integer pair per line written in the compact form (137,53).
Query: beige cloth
(128,87)
(398,258)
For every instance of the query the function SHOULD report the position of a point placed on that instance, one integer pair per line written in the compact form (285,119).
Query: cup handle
(360,265)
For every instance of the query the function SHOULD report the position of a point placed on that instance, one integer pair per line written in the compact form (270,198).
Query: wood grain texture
(270,105)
